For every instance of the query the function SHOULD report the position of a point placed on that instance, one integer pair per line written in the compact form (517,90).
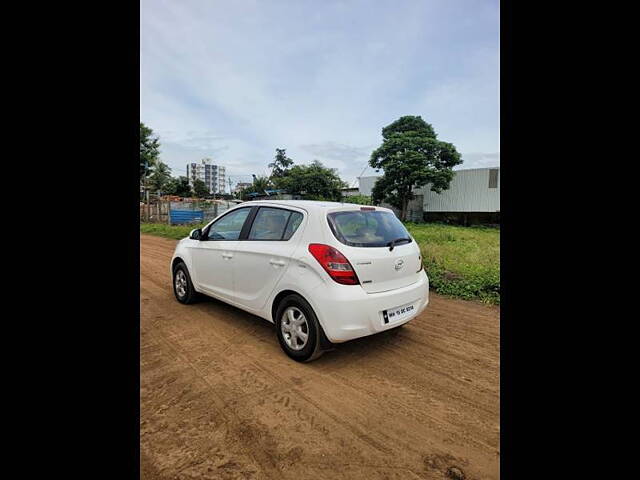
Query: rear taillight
(421,264)
(334,263)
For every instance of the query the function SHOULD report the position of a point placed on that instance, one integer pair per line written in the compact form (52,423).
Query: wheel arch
(175,262)
(278,298)
(325,343)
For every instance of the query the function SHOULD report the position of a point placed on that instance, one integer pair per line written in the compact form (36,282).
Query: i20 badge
(399,264)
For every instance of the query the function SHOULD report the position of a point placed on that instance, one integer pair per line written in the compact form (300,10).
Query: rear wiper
(392,243)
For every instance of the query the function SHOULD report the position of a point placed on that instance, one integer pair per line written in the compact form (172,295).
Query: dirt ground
(220,400)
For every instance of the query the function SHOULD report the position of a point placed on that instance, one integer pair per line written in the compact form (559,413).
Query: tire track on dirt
(235,425)
(283,383)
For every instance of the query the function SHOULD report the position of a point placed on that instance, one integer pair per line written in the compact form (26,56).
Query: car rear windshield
(368,228)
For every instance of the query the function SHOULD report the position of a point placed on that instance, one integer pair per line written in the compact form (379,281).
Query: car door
(213,256)
(265,254)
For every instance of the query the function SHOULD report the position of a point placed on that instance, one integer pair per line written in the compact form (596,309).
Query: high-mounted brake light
(334,263)
(368,209)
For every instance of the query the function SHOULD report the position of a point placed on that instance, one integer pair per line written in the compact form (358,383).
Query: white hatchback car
(323,272)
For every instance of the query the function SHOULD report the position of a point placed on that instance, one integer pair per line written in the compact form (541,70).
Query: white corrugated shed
(365,184)
(472,190)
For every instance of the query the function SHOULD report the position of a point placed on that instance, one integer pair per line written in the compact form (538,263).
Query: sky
(234,80)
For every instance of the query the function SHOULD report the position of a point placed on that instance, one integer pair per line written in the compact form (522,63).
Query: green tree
(244,193)
(200,189)
(359,199)
(314,182)
(171,186)
(183,189)
(280,165)
(160,176)
(178,186)
(260,184)
(411,157)
(149,150)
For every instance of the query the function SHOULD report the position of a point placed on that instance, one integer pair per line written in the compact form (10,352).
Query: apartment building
(213,176)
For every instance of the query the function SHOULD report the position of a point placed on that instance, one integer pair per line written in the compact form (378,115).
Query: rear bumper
(347,312)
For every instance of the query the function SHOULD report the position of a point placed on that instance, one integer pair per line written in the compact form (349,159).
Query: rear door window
(360,228)
(294,222)
(274,224)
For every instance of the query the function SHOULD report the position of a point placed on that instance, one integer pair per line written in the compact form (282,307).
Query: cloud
(337,151)
(349,160)
(479,160)
(235,80)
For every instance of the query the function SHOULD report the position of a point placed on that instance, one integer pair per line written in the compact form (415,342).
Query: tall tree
(280,164)
(260,184)
(411,157)
(315,182)
(149,150)
(178,186)
(200,189)
(160,176)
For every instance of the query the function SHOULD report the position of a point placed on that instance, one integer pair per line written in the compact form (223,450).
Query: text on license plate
(398,313)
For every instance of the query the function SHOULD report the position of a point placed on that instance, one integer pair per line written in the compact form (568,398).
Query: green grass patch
(463,262)
(176,232)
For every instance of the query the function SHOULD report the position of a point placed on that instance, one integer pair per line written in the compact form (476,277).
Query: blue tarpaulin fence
(177,217)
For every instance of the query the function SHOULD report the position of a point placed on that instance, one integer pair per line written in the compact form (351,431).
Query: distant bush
(482,285)
(176,232)
(359,199)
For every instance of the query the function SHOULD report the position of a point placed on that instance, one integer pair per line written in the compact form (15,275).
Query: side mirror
(195,234)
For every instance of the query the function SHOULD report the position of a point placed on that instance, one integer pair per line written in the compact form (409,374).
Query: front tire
(182,285)
(298,329)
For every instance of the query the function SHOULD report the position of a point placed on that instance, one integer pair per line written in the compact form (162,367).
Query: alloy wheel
(181,283)
(294,328)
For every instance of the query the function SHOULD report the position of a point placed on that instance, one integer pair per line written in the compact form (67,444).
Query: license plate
(396,314)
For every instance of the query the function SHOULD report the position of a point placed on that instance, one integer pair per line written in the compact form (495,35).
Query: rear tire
(182,285)
(298,329)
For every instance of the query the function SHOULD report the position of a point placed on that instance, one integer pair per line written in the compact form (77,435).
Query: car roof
(310,205)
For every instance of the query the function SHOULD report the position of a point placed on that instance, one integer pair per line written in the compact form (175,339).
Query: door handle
(277,263)
(227,255)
